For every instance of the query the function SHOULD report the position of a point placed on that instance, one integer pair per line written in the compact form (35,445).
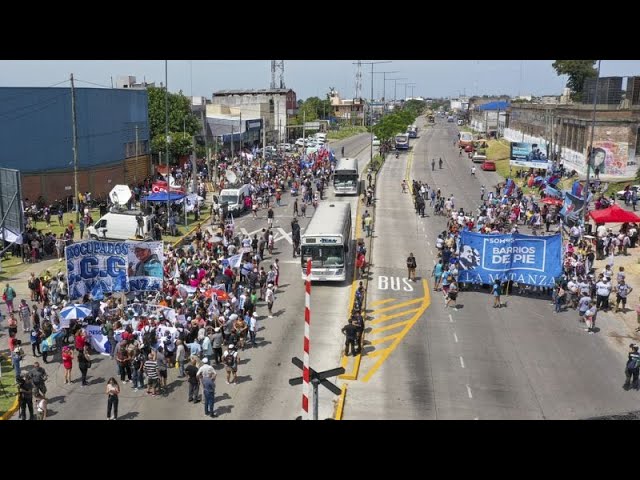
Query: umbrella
(75,312)
(220,294)
(552,201)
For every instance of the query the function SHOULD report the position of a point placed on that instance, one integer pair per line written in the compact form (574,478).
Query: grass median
(9,388)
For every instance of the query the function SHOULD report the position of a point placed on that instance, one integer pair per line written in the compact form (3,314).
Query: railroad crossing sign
(317,378)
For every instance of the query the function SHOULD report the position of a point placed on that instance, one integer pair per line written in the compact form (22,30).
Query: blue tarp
(502,105)
(164,196)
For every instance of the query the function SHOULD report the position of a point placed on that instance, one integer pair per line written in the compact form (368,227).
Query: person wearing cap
(216,344)
(252,322)
(632,368)
(230,359)
(148,263)
(207,376)
(270,297)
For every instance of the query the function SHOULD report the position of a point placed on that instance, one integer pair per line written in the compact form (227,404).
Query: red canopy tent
(613,214)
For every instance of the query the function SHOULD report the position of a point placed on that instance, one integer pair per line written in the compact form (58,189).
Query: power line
(92,83)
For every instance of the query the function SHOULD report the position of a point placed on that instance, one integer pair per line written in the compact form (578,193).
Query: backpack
(230,359)
(634,362)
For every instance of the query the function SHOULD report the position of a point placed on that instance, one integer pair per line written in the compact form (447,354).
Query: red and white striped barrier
(305,358)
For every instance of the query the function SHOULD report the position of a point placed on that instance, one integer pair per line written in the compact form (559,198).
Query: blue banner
(525,259)
(528,155)
(99,267)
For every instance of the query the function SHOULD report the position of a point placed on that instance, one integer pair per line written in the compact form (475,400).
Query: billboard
(526,259)
(99,267)
(11,207)
(528,155)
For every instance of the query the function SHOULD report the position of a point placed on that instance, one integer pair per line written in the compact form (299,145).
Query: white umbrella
(75,312)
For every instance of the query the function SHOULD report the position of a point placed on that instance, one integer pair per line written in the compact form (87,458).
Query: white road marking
(434,262)
(476,418)
(455,337)
(285,235)
(429,243)
(431,252)
(450,318)
(469,391)
(297,262)
(461,362)
(244,231)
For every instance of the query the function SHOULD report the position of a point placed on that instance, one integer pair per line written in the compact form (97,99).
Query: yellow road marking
(340,405)
(353,375)
(397,305)
(388,327)
(378,341)
(410,323)
(409,162)
(380,302)
(376,353)
(384,318)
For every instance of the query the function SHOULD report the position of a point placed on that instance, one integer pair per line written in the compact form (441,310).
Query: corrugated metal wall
(36,134)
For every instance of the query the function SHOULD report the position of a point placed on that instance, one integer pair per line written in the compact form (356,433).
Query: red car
(488,166)
(468,149)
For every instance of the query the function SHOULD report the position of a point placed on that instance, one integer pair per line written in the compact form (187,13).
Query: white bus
(346,178)
(327,241)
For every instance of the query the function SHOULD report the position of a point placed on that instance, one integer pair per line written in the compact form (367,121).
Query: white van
(321,137)
(234,198)
(121,226)
(479,158)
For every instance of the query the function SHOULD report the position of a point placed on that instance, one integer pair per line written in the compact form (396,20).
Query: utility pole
(206,140)
(371,104)
(590,150)
(232,142)
(194,166)
(410,85)
(264,140)
(395,85)
(384,84)
(135,176)
(166,132)
(74,129)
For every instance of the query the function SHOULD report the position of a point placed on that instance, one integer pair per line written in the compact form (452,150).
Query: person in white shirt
(205,369)
(603,289)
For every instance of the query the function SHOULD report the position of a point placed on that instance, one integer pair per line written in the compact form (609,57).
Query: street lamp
(590,152)
(395,84)
(371,104)
(411,85)
(384,83)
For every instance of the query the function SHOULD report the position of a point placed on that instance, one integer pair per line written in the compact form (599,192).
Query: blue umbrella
(75,312)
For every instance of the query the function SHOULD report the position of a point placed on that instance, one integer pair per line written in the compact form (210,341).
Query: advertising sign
(528,155)
(525,259)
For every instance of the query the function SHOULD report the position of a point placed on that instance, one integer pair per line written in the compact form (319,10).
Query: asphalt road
(424,361)
(262,390)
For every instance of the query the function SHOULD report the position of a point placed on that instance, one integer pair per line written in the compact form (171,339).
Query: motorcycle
(397,155)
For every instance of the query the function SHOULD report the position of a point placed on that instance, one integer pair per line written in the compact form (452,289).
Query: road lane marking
(284,235)
(450,318)
(384,318)
(455,337)
(429,243)
(381,302)
(378,341)
(382,356)
(431,252)
(469,391)
(389,327)
(397,305)
(461,362)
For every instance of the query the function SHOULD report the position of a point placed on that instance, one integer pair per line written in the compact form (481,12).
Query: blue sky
(431,78)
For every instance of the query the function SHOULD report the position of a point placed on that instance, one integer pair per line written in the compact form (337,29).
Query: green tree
(183,124)
(578,71)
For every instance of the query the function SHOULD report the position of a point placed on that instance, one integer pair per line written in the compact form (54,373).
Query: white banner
(99,342)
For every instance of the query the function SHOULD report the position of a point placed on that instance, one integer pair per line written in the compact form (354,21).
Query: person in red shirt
(67,363)
(361,264)
(80,340)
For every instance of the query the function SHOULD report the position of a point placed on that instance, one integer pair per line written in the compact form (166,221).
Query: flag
(234,261)
(576,189)
(97,293)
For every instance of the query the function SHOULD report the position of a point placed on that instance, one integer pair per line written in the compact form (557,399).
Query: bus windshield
(231,199)
(323,255)
(345,179)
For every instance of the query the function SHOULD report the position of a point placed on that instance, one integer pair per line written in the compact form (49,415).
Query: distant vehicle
(346,177)
(489,166)
(466,138)
(321,137)
(460,121)
(234,198)
(412,130)
(327,242)
(479,158)
(376,141)
(286,147)
(402,141)
(469,149)
(620,194)
(121,226)
(451,119)
(431,119)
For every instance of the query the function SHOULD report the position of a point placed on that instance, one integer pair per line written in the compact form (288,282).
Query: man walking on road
(433,164)
(411,267)
(440,163)
(632,368)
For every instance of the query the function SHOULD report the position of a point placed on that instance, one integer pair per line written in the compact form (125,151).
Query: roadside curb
(344,361)
(193,229)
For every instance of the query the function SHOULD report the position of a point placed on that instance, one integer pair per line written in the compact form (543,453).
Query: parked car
(489,166)
(479,159)
(286,147)
(620,194)
(469,149)
(376,141)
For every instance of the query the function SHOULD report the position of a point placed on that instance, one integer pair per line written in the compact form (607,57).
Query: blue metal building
(36,127)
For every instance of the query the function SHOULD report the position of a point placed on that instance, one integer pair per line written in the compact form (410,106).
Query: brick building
(567,131)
